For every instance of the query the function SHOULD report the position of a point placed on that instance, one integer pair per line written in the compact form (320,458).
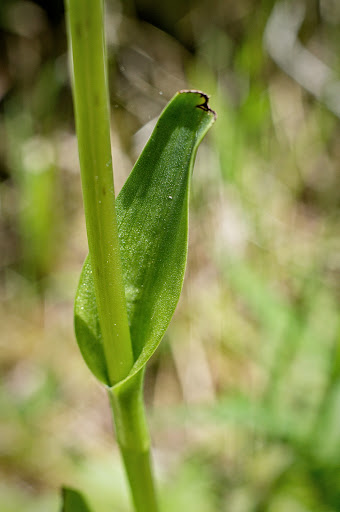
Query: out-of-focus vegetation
(252,424)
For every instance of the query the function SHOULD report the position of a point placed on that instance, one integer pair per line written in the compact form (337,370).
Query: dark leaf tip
(204,106)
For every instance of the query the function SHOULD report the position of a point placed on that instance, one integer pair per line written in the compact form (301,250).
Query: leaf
(73,501)
(152,215)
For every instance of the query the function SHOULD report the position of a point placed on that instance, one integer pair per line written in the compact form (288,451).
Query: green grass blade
(91,100)
(152,215)
(73,501)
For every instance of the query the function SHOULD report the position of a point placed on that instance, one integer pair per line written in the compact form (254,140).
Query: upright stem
(86,38)
(86,35)
(133,438)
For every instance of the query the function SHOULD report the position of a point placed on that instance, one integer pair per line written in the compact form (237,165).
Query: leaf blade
(153,219)
(152,214)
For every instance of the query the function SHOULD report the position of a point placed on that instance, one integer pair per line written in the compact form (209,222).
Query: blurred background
(244,392)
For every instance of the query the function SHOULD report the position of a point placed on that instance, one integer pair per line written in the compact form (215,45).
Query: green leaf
(73,501)
(152,215)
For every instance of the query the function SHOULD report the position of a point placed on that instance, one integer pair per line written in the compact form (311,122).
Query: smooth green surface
(73,501)
(139,471)
(152,213)
(128,408)
(133,437)
(86,35)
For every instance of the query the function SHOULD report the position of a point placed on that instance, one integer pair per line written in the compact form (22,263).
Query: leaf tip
(203,106)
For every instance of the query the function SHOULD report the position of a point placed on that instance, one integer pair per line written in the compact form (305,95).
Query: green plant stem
(86,35)
(134,441)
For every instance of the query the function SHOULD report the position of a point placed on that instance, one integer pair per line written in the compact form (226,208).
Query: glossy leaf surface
(152,214)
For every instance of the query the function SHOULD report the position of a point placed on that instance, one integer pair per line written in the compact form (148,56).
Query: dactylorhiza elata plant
(132,278)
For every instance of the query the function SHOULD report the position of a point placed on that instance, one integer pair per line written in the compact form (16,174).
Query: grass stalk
(90,90)
(134,441)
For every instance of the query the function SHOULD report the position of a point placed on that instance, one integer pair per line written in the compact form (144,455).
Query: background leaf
(73,501)
(152,213)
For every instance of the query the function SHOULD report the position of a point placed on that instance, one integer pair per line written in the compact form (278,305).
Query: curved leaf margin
(152,215)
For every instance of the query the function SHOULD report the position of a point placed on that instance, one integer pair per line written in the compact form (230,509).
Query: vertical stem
(86,36)
(134,441)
